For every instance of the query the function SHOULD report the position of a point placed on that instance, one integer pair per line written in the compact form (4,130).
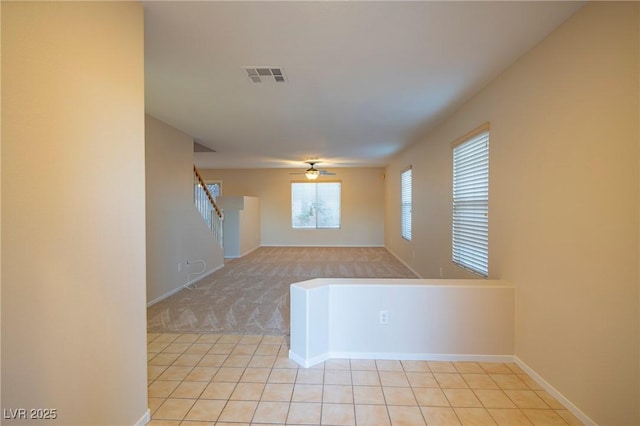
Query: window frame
(406,207)
(214,182)
(470,208)
(316,227)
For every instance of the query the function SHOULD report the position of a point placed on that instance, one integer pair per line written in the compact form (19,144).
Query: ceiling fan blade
(326,173)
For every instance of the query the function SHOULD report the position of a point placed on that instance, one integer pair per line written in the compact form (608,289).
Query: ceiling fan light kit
(312,173)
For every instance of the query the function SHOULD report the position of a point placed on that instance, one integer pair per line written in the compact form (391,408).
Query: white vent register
(265,74)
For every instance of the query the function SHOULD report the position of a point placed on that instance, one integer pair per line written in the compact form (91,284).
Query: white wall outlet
(384,317)
(179,267)
(441,273)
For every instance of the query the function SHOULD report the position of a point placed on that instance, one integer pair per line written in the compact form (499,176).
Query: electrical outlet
(179,267)
(384,317)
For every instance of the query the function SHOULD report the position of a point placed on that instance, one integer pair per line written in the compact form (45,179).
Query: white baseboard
(306,363)
(243,254)
(403,262)
(175,290)
(325,245)
(146,418)
(422,357)
(555,393)
(250,251)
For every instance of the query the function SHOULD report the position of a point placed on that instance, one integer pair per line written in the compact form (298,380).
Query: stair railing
(207,206)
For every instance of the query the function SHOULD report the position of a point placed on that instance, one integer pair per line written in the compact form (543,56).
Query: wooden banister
(206,190)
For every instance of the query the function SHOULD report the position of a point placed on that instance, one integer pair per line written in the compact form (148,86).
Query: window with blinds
(315,205)
(470,234)
(405,196)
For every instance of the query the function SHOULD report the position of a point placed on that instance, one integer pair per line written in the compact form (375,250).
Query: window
(315,205)
(470,233)
(405,199)
(215,188)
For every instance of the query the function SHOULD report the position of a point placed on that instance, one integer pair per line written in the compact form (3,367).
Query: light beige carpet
(250,295)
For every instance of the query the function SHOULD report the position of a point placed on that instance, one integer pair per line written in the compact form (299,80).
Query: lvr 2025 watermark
(29,413)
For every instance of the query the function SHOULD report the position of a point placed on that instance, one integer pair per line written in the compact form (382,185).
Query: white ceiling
(365,79)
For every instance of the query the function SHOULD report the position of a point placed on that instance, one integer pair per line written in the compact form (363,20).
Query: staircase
(207,206)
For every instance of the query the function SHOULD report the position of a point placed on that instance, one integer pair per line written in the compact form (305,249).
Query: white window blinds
(315,205)
(470,239)
(405,195)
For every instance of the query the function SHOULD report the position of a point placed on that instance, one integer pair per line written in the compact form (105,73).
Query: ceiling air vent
(265,74)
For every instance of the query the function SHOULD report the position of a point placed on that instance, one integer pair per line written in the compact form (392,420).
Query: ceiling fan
(312,173)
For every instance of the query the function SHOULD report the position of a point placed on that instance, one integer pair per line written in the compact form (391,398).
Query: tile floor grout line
(384,397)
(324,368)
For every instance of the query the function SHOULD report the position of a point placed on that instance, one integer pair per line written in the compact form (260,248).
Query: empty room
(306,213)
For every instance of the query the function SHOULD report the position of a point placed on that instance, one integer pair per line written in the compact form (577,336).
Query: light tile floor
(212,379)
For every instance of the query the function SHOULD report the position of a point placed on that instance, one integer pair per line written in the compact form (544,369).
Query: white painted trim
(243,254)
(310,362)
(250,251)
(297,358)
(175,290)
(146,418)
(405,282)
(196,279)
(422,356)
(306,363)
(555,393)
(326,245)
(403,262)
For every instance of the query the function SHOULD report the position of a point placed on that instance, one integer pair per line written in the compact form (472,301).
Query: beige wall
(250,225)
(0,198)
(362,205)
(73,236)
(563,205)
(241,225)
(176,232)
